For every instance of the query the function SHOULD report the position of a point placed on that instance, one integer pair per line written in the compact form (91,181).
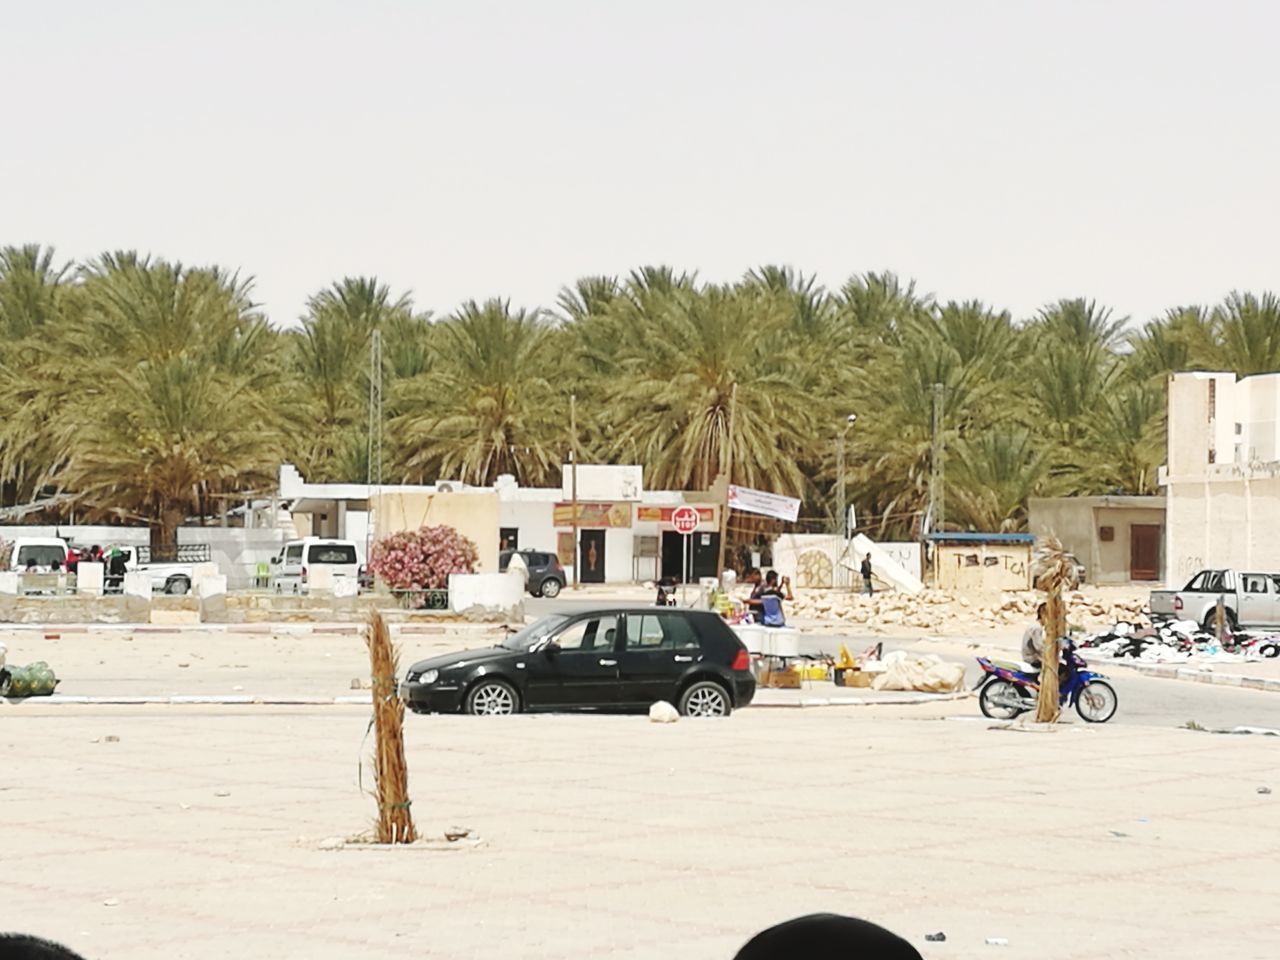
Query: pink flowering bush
(422,559)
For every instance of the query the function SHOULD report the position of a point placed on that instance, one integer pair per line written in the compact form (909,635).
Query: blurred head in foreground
(827,936)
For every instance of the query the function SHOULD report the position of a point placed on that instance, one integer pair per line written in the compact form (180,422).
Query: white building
(624,531)
(1222,478)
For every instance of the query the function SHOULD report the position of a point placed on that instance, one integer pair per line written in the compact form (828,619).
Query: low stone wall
(225,608)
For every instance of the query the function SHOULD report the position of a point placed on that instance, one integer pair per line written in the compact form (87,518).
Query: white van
(37,553)
(291,569)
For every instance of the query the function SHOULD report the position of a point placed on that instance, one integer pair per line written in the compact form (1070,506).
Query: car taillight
(304,573)
(742,661)
(1177,603)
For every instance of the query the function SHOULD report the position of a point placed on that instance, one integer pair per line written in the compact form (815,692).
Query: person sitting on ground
(827,936)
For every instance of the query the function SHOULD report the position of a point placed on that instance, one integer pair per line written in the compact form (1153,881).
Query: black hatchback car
(621,658)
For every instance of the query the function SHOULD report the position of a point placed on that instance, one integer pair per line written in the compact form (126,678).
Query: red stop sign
(684,519)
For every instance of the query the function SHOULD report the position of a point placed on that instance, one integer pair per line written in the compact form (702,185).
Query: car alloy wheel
(492,698)
(550,588)
(705,699)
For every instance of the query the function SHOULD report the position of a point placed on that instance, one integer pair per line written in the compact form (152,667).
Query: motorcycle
(1008,690)
(666,593)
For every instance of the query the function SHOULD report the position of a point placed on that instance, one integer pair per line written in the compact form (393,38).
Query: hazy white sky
(1012,151)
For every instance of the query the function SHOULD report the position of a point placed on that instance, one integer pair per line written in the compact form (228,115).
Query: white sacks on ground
(663,712)
(924,672)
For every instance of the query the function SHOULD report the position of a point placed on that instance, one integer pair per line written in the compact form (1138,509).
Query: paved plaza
(197,834)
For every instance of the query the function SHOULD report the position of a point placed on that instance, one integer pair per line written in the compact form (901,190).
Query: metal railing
(175,553)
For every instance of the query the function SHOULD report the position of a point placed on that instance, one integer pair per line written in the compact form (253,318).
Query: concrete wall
(237,551)
(533,521)
(488,591)
(1223,523)
(1077,522)
(474,514)
(1110,563)
(813,559)
(978,568)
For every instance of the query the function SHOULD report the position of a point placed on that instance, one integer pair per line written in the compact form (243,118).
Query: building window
(1106,534)
(1213,400)
(509,538)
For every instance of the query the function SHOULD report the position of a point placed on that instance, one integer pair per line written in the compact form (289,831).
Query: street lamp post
(842,520)
(841,495)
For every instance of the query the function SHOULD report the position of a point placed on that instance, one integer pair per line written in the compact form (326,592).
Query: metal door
(1144,551)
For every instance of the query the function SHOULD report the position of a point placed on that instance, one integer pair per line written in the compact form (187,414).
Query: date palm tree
(330,355)
(491,403)
(162,389)
(1246,331)
(679,358)
(34,291)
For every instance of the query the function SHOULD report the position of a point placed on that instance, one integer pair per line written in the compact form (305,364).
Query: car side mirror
(275,561)
(551,648)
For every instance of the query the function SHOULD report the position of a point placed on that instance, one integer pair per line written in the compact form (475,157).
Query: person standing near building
(866,575)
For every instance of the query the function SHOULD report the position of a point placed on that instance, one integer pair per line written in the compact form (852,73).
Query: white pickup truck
(171,578)
(1249,600)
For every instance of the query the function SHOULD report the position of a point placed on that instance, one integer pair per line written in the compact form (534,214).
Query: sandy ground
(165,832)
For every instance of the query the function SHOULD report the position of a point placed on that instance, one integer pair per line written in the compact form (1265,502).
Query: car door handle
(680,659)
(608,663)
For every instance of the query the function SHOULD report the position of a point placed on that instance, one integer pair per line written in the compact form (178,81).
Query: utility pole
(573,479)
(373,476)
(842,523)
(937,494)
(726,458)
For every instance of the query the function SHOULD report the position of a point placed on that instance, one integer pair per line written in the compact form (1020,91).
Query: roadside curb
(366,699)
(1172,671)
(60,699)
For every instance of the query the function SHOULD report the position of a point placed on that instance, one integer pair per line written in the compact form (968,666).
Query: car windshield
(332,553)
(40,554)
(535,631)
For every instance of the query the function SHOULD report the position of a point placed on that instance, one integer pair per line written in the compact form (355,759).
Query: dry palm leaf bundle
(390,773)
(1054,572)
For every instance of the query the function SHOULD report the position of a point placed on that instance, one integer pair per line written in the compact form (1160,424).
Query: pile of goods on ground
(34,680)
(1176,641)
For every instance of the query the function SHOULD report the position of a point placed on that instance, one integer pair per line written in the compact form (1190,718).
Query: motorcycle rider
(1033,637)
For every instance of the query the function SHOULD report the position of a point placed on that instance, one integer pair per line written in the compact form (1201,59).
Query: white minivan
(37,554)
(291,569)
